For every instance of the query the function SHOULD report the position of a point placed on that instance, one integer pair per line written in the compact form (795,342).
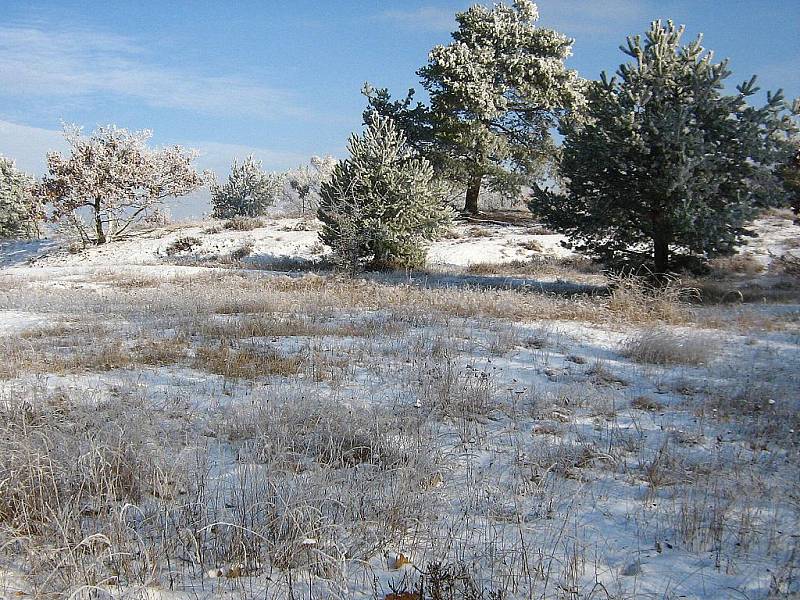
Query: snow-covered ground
(281,239)
(191,425)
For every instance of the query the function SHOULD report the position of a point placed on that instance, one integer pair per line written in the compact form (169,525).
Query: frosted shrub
(305,183)
(249,191)
(18,209)
(382,205)
(660,346)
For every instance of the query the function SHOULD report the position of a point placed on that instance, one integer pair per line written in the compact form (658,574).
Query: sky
(281,79)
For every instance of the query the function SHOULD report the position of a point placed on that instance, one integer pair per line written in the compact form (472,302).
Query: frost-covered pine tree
(496,92)
(665,169)
(382,205)
(18,207)
(248,192)
(113,178)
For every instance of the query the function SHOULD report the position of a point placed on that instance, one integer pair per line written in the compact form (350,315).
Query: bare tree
(114,179)
(306,181)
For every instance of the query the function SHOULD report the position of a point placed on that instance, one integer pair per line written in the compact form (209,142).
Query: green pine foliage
(18,212)
(665,170)
(790,174)
(248,192)
(496,92)
(382,205)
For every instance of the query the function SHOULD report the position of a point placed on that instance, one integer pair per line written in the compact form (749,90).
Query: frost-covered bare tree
(306,181)
(248,192)
(19,210)
(113,178)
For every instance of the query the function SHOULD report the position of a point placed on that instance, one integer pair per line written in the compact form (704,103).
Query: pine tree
(382,205)
(665,170)
(18,207)
(248,192)
(790,174)
(496,92)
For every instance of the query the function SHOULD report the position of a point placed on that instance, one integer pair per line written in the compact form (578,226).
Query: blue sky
(282,79)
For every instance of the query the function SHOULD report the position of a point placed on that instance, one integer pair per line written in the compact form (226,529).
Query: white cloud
(426,17)
(71,63)
(29,145)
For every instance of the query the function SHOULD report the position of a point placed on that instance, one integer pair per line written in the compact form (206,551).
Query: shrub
(248,192)
(182,244)
(114,177)
(382,205)
(243,251)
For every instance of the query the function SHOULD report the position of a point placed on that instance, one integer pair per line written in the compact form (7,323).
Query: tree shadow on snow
(18,253)
(295,267)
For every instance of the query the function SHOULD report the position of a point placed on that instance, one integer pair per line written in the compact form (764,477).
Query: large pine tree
(666,169)
(496,92)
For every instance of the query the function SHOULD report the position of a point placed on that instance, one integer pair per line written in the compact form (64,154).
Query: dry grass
(637,300)
(647,404)
(162,351)
(660,346)
(478,232)
(574,269)
(375,417)
(531,245)
(241,223)
(37,356)
(739,264)
(125,512)
(248,362)
(182,245)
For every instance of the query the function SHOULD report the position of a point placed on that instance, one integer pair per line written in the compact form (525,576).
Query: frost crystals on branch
(665,169)
(496,92)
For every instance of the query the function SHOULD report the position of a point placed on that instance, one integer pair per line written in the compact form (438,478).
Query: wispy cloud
(219,156)
(68,63)
(589,17)
(28,146)
(431,18)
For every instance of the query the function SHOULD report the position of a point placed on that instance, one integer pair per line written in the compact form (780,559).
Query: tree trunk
(473,191)
(98,223)
(661,254)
